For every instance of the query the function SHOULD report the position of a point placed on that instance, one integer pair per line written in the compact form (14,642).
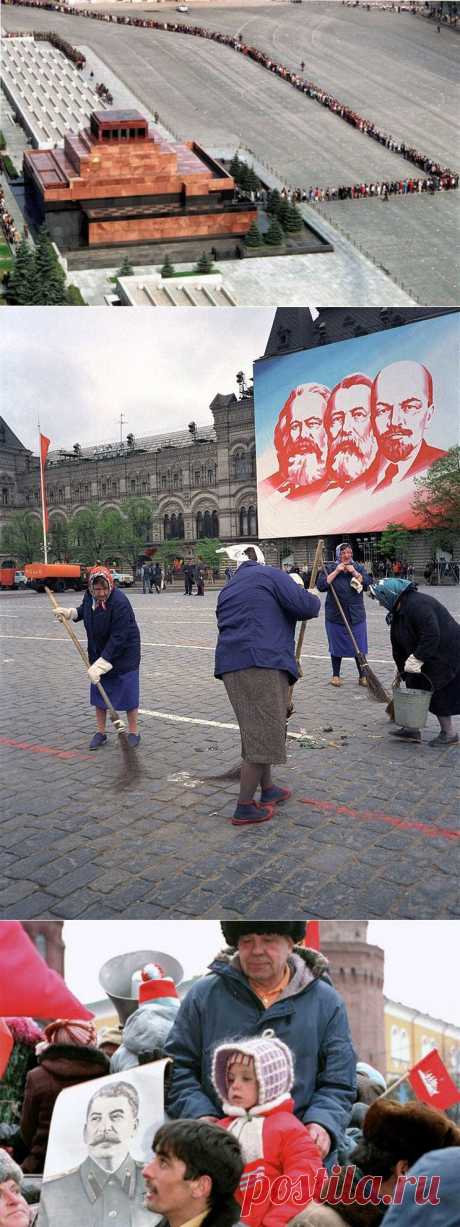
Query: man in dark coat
(193,1175)
(256,615)
(425,640)
(260,982)
(108,1185)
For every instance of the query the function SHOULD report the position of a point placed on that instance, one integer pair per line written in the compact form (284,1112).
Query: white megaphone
(121,975)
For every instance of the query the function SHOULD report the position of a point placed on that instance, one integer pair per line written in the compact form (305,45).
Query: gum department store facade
(201,480)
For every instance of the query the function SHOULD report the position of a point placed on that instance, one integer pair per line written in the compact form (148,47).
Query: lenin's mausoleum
(116,183)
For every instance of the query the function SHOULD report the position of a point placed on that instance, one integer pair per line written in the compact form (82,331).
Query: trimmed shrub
(275,234)
(10,168)
(253,238)
(168,268)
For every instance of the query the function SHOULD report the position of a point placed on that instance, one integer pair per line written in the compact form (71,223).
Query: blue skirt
(339,640)
(122,690)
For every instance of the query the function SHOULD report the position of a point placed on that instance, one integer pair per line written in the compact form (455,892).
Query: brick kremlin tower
(47,937)
(357,974)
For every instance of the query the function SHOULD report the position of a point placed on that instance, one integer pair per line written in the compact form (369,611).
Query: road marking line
(216,724)
(27,745)
(404,824)
(195,647)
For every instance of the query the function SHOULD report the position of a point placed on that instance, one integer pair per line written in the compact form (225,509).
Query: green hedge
(10,168)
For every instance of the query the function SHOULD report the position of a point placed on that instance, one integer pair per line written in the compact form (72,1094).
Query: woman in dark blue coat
(114,651)
(350,581)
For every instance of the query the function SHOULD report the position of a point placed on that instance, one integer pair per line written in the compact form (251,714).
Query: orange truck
(56,575)
(8,570)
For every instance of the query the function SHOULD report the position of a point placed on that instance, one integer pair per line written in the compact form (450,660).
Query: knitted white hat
(273,1064)
(9,1170)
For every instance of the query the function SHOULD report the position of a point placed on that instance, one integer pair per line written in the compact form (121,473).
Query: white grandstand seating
(49,91)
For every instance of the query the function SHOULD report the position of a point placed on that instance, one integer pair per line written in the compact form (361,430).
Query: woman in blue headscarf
(350,580)
(425,639)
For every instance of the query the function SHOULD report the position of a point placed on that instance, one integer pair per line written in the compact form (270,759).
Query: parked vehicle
(121,579)
(20,580)
(56,575)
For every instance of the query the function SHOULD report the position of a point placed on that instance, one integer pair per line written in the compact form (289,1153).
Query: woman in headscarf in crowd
(114,650)
(350,580)
(14,1210)
(69,1056)
(425,641)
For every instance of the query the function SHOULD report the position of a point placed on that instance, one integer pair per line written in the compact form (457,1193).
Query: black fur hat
(233,930)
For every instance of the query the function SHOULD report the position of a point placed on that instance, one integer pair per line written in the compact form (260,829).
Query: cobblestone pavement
(394,69)
(372,829)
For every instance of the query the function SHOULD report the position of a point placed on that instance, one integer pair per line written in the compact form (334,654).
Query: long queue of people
(442,178)
(9,227)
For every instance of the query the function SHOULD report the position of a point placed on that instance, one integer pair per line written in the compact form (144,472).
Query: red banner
(432,1083)
(44,447)
(6,1046)
(28,987)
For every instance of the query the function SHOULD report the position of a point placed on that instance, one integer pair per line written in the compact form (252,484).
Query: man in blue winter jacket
(255,657)
(265,981)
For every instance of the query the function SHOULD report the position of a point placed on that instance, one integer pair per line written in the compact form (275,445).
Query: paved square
(372,830)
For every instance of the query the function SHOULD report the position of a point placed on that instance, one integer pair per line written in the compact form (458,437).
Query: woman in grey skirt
(256,615)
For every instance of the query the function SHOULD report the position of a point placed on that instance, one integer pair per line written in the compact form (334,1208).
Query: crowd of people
(271,1120)
(440,177)
(9,227)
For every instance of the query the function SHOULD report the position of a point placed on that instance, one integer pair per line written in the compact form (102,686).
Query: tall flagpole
(42,492)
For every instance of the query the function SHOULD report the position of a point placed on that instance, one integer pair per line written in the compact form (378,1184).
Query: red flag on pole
(44,446)
(6,1046)
(28,987)
(432,1083)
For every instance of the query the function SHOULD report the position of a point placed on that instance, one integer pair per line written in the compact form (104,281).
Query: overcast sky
(420,955)
(79,369)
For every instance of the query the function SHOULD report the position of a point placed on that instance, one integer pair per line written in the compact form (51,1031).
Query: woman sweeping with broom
(114,650)
(350,580)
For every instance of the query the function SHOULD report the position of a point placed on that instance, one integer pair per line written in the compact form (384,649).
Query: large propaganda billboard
(343,430)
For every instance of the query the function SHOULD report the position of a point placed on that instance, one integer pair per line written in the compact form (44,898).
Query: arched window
(252,461)
(199,525)
(207,524)
(243,522)
(252,522)
(239,464)
(215,524)
(173,526)
(180,531)
(166,528)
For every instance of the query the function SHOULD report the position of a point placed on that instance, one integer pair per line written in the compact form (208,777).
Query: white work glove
(413,665)
(356,584)
(99,667)
(64,614)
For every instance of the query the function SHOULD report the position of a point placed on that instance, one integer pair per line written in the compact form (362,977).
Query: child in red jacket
(253,1078)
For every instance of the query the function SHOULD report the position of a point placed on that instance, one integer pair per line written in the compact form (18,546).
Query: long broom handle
(298,652)
(112,713)
(314,572)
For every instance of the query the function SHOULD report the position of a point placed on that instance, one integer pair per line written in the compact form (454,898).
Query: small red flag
(44,446)
(311,938)
(6,1046)
(432,1083)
